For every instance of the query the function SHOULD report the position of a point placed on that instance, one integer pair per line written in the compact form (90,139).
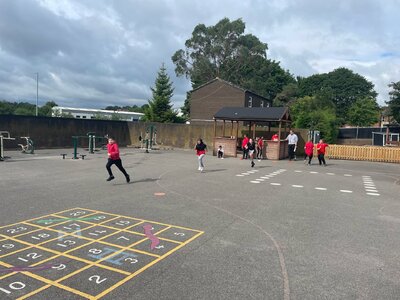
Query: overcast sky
(103,52)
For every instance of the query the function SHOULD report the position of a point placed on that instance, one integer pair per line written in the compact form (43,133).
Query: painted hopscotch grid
(81,253)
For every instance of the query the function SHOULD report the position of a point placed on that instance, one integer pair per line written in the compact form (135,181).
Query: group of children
(249,147)
(309,152)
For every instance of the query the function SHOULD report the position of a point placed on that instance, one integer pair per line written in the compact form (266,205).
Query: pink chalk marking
(27,269)
(154,240)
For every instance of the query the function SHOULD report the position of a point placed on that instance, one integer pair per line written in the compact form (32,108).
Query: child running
(309,151)
(114,159)
(201,149)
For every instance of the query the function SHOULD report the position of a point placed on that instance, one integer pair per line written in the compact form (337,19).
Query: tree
(160,107)
(394,102)
(346,87)
(47,109)
(316,113)
(289,93)
(224,51)
(363,112)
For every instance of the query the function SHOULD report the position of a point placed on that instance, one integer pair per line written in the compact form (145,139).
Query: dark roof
(253,114)
(228,83)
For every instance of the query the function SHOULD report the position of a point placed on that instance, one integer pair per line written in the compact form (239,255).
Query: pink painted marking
(154,240)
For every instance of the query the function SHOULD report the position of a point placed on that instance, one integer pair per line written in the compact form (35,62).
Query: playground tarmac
(280,230)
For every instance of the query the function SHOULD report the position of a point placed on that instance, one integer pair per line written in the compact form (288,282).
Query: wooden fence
(368,153)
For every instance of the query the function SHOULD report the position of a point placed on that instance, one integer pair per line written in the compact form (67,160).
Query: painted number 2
(97,279)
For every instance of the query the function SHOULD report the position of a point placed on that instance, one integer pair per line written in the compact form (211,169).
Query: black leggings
(309,158)
(321,159)
(116,162)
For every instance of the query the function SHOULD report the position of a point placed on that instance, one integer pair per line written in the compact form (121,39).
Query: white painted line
(369,185)
(314,172)
(348,175)
(265,177)
(367,177)
(275,183)
(298,171)
(297,186)
(283,170)
(245,174)
(373,194)
(253,181)
(251,172)
(256,170)
(320,189)
(240,175)
(346,191)
(368,181)
(330,173)
(370,190)
(259,179)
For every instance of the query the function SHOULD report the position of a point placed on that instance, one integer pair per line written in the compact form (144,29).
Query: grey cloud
(97,53)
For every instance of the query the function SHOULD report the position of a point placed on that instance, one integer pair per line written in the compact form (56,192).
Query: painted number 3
(97,279)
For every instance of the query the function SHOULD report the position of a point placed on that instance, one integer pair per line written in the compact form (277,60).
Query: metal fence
(367,153)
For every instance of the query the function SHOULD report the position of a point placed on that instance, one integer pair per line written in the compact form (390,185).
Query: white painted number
(132,260)
(66,243)
(59,267)
(77,213)
(16,230)
(97,279)
(159,247)
(179,233)
(123,223)
(7,246)
(95,251)
(14,286)
(41,236)
(99,218)
(122,237)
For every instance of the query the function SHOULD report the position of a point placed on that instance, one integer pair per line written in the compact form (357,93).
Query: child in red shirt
(201,149)
(244,147)
(309,151)
(321,149)
(260,145)
(114,159)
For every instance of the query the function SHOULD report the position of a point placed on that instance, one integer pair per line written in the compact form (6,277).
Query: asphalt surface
(284,230)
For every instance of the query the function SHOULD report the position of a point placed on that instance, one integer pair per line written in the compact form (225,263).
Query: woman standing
(114,159)
(201,149)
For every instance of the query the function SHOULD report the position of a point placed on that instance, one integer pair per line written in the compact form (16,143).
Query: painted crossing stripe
(298,171)
(240,175)
(370,190)
(373,194)
(297,186)
(330,173)
(253,181)
(320,188)
(275,183)
(314,172)
(348,175)
(346,191)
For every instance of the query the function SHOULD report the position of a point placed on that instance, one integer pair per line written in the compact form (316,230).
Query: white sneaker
(201,169)
(222,158)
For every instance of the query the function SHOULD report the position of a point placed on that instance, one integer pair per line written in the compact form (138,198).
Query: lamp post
(37,92)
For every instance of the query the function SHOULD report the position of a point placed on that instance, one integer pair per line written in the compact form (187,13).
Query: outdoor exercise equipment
(29,148)
(91,136)
(151,132)
(4,135)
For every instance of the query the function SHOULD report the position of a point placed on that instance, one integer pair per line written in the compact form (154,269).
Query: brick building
(210,97)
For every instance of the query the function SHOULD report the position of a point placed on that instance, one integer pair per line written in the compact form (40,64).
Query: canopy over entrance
(253,116)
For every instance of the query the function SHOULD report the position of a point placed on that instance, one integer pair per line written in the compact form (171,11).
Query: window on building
(250,101)
(78,117)
(262,103)
(83,117)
